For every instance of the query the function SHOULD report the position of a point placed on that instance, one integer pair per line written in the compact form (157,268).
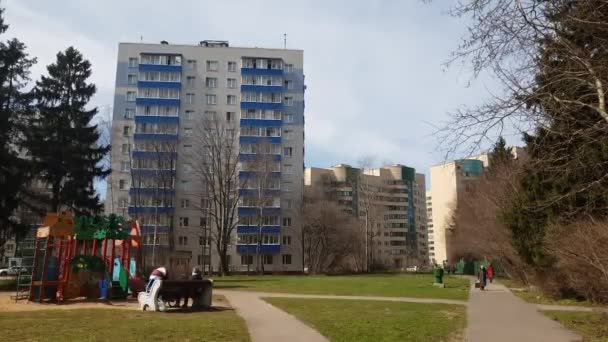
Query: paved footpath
(498,315)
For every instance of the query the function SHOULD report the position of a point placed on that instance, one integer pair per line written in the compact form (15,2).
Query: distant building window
(288,118)
(126,148)
(188,115)
(129,113)
(191,64)
(286,259)
(124,166)
(232,66)
(123,202)
(267,259)
(132,62)
(286,221)
(182,241)
(132,79)
(288,169)
(211,82)
(246,259)
(185,203)
(230,116)
(212,66)
(131,95)
(211,99)
(183,222)
(288,84)
(190,81)
(231,99)
(231,83)
(126,130)
(288,152)
(188,131)
(288,67)
(288,101)
(190,98)
(122,184)
(286,240)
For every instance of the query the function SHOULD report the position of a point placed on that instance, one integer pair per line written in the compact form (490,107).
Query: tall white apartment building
(161,92)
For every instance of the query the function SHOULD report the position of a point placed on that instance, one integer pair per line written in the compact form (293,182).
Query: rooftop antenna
(284,40)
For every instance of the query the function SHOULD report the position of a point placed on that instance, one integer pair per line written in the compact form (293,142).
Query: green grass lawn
(121,325)
(535,296)
(411,285)
(593,326)
(346,320)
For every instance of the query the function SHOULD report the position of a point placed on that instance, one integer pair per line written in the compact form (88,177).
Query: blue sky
(376,83)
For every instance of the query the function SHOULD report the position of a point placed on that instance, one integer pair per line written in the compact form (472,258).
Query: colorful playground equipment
(163,294)
(85,256)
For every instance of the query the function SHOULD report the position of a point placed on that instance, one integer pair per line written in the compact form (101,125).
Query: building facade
(429,227)
(162,91)
(448,182)
(396,194)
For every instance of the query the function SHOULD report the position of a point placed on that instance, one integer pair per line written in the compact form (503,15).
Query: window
(126,130)
(211,82)
(126,148)
(211,99)
(131,96)
(123,202)
(132,62)
(246,259)
(286,240)
(183,222)
(132,79)
(203,221)
(122,184)
(288,134)
(190,81)
(231,99)
(187,148)
(286,259)
(288,118)
(288,204)
(124,166)
(230,116)
(212,65)
(286,221)
(288,169)
(288,84)
(188,115)
(191,64)
(183,241)
(288,101)
(232,66)
(188,131)
(231,83)
(267,259)
(288,151)
(288,67)
(190,98)
(129,113)
(185,203)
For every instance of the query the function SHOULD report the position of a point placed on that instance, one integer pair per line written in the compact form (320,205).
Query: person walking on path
(483,277)
(490,272)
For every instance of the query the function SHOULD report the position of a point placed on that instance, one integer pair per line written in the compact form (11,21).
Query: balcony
(244,229)
(159,67)
(147,101)
(251,249)
(252,211)
(151,210)
(152,172)
(159,84)
(262,105)
(254,157)
(254,192)
(157,119)
(155,136)
(150,191)
(261,88)
(261,122)
(263,72)
(154,155)
(149,229)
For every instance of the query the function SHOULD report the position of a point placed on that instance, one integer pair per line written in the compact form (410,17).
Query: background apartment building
(429,226)
(162,91)
(397,196)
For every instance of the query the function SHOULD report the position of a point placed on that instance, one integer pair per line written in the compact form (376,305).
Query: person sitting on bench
(159,273)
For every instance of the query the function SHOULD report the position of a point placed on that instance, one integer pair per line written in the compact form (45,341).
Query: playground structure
(85,256)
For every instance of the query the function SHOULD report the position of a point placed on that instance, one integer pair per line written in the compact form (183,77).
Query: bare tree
(370,211)
(216,164)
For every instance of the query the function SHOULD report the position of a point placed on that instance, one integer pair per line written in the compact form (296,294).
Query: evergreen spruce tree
(500,156)
(63,143)
(15,172)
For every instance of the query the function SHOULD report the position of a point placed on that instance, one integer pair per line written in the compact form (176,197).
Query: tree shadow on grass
(190,310)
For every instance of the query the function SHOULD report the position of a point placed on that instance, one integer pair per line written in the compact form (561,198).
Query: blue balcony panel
(155,136)
(270,72)
(151,210)
(261,122)
(265,249)
(150,191)
(158,67)
(149,229)
(252,174)
(157,119)
(151,173)
(154,155)
(254,192)
(257,140)
(242,229)
(252,157)
(143,101)
(159,84)
(262,105)
(261,88)
(252,211)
